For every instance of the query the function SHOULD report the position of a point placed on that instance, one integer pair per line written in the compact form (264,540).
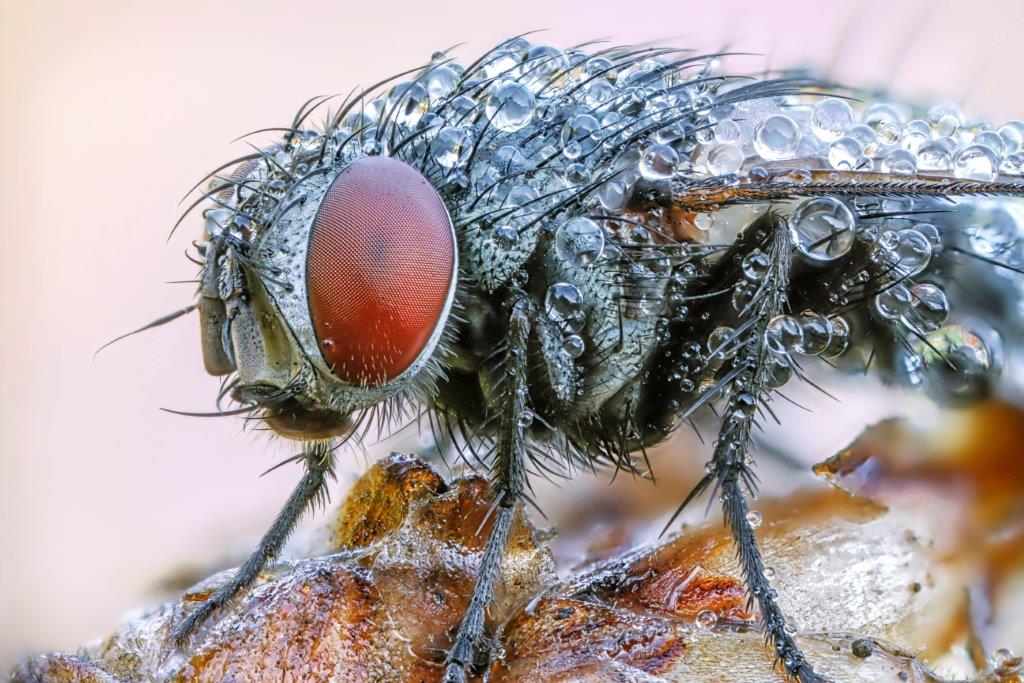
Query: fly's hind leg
(319,462)
(730,473)
(508,481)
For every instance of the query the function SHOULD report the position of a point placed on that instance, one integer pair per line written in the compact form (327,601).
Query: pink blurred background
(112,110)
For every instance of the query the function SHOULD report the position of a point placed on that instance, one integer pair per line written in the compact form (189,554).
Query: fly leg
(731,473)
(509,478)
(319,462)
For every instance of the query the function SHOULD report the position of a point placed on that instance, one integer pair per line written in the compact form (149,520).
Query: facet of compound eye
(379,270)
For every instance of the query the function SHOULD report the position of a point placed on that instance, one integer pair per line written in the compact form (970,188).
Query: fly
(561,256)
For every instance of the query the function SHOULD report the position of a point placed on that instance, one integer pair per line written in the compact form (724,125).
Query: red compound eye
(379,269)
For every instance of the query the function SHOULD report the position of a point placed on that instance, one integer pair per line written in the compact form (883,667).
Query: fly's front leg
(508,477)
(319,461)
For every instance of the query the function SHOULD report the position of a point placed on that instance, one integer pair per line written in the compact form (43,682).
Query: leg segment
(509,478)
(731,472)
(319,461)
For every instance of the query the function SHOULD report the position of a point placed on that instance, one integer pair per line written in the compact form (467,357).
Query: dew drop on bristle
(510,106)
(831,118)
(928,310)
(725,158)
(840,340)
(822,229)
(845,153)
(452,147)
(784,334)
(579,241)
(754,519)
(573,346)
(893,302)
(817,333)
(912,252)
(562,301)
(976,162)
(658,162)
(776,137)
(899,162)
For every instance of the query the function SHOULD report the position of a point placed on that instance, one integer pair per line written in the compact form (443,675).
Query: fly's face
(327,293)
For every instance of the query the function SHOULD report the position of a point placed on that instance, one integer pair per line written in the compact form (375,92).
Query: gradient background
(111,110)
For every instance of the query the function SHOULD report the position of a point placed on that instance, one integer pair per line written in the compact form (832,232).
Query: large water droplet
(929,308)
(776,137)
(822,229)
(845,153)
(452,146)
(562,301)
(831,118)
(725,158)
(658,162)
(893,301)
(579,241)
(976,162)
(912,253)
(784,334)
(510,106)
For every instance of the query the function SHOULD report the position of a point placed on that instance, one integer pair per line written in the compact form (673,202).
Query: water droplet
(754,519)
(817,333)
(579,241)
(822,229)
(912,253)
(844,154)
(580,135)
(409,101)
(899,162)
(717,340)
(573,346)
(976,162)
(915,134)
(658,162)
(830,119)
(776,137)
(612,195)
(545,67)
(452,146)
(525,419)
(706,619)
(893,302)
(599,92)
(958,363)
(440,81)
(934,156)
(520,195)
(840,341)
(727,131)
(505,236)
(928,310)
(1013,164)
(784,334)
(1012,133)
(1003,661)
(992,140)
(726,158)
(510,107)
(769,573)
(755,265)
(562,301)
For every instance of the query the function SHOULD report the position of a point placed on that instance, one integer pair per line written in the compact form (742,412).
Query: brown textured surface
(888,567)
